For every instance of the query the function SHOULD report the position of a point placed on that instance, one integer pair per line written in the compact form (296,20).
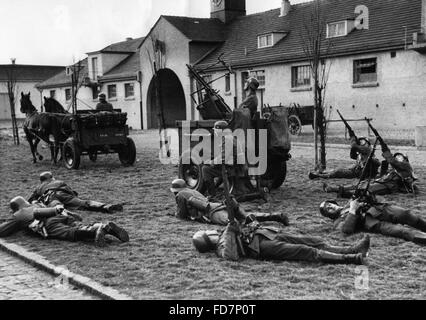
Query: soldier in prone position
(51,190)
(57,223)
(256,241)
(374,217)
(192,205)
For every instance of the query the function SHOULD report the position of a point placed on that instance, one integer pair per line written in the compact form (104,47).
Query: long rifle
(382,142)
(351,132)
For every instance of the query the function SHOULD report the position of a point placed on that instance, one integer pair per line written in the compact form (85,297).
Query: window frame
(95,68)
(295,76)
(110,86)
(259,41)
(345,33)
(358,65)
(228,88)
(132,84)
(68,90)
(52,95)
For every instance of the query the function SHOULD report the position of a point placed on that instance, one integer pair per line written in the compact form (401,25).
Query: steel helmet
(178,185)
(102,95)
(18,203)
(252,83)
(398,155)
(203,242)
(46,176)
(324,212)
(221,125)
(364,141)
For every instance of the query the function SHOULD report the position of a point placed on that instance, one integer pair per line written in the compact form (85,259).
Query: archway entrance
(172,98)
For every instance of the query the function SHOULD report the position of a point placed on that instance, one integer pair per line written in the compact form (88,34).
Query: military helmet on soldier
(252,84)
(46,176)
(327,212)
(221,125)
(178,185)
(18,203)
(364,141)
(205,241)
(400,157)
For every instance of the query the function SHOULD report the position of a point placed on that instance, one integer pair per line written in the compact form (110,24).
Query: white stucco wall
(402,80)
(177,56)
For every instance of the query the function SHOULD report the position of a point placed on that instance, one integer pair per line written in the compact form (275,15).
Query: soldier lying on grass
(192,205)
(381,218)
(51,190)
(256,241)
(57,223)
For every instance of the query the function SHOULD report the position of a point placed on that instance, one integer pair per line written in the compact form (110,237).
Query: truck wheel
(192,174)
(127,153)
(71,154)
(294,125)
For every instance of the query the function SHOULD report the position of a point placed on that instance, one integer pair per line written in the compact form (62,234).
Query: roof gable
(61,79)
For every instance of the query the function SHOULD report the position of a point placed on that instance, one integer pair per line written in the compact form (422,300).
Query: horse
(39,126)
(53,106)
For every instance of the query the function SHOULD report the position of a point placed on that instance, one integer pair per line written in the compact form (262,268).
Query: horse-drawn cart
(299,116)
(93,133)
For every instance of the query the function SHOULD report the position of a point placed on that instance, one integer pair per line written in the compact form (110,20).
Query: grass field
(160,262)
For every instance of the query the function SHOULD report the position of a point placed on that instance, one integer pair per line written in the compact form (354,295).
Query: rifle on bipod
(362,193)
(351,132)
(232,206)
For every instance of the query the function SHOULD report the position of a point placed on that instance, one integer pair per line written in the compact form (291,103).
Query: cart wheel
(71,154)
(127,153)
(294,125)
(93,156)
(192,174)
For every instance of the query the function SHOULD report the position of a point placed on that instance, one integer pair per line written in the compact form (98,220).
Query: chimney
(285,7)
(128,39)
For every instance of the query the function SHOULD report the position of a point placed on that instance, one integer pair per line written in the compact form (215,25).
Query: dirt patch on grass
(160,262)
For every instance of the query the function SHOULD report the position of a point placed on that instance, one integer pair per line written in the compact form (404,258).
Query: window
(260,76)
(228,83)
(67,94)
(264,41)
(337,29)
(52,94)
(365,70)
(300,76)
(95,68)
(112,91)
(129,90)
(95,92)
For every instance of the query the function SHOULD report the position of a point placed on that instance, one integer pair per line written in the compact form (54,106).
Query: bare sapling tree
(317,48)
(12,88)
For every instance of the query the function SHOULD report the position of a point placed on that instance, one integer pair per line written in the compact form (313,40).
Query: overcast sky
(56,32)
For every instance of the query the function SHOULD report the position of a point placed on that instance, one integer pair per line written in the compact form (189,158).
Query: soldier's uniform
(400,178)
(52,223)
(192,205)
(251,102)
(53,191)
(385,219)
(360,153)
(268,243)
(103,105)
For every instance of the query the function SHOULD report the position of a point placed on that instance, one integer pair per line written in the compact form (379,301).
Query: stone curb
(75,279)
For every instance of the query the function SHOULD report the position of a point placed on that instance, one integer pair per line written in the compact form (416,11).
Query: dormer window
(337,29)
(265,41)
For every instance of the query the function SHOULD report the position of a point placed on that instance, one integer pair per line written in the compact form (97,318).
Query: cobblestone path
(20,281)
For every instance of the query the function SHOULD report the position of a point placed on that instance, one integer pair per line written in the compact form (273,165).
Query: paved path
(20,281)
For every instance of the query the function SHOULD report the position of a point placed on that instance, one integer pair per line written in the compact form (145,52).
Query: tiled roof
(61,79)
(127,68)
(199,29)
(29,72)
(388,19)
(124,46)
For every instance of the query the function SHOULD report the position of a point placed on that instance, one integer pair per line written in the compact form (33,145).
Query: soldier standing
(103,105)
(251,101)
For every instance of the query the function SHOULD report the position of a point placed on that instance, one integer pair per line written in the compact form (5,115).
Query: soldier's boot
(91,233)
(419,237)
(421,224)
(102,207)
(112,229)
(340,190)
(337,258)
(363,246)
(278,217)
(316,175)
